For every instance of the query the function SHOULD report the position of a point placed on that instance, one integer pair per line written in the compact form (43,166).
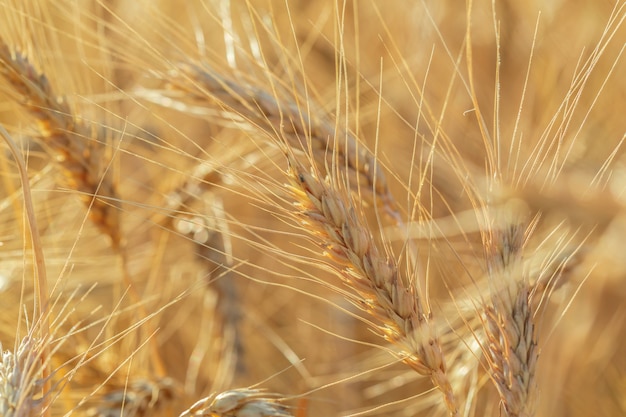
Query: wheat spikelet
(513,351)
(239,403)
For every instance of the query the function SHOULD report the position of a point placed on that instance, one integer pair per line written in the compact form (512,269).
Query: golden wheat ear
(509,320)
(79,148)
(382,289)
(310,132)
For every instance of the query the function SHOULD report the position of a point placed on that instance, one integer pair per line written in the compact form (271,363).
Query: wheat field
(312,208)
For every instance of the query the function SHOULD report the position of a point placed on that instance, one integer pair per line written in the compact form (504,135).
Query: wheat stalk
(209,231)
(15,369)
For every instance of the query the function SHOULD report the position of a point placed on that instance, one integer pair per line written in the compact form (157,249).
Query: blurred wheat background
(313,208)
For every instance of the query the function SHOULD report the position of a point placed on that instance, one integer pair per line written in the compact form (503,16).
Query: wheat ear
(386,293)
(78,147)
(509,323)
(239,403)
(305,132)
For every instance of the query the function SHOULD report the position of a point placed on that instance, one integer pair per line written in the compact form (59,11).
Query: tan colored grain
(513,351)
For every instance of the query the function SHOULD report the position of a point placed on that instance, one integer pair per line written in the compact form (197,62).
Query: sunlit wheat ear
(277,113)
(18,366)
(390,295)
(239,403)
(79,148)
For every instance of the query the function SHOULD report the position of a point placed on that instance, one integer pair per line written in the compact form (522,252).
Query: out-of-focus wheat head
(408,208)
